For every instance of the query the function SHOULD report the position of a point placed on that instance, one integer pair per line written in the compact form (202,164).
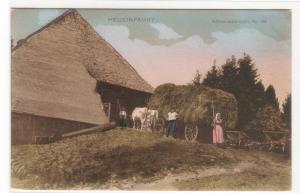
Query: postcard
(151,99)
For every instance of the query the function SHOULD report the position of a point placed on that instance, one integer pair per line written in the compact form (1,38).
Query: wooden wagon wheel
(191,132)
(159,125)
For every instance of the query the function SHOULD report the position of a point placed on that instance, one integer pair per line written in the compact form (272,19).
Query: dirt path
(169,181)
(256,171)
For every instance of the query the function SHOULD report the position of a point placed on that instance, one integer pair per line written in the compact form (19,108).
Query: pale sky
(172,44)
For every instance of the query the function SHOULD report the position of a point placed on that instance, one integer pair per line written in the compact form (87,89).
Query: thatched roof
(44,85)
(48,79)
(75,38)
(55,69)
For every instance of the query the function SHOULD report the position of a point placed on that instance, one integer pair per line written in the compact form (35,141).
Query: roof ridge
(22,41)
(114,49)
(74,11)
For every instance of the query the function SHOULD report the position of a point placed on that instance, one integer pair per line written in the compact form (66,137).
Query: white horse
(142,114)
(138,117)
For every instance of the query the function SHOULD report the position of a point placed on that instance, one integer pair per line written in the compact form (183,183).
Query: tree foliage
(260,98)
(287,107)
(240,77)
(228,76)
(267,119)
(197,79)
(212,78)
(271,98)
(247,81)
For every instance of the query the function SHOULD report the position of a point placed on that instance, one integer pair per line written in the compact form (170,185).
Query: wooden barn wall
(24,127)
(121,97)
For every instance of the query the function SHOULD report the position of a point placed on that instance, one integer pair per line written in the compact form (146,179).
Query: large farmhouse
(66,77)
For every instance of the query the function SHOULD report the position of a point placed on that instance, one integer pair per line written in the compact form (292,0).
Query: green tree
(287,107)
(266,119)
(212,78)
(240,77)
(259,92)
(247,81)
(229,75)
(271,98)
(197,79)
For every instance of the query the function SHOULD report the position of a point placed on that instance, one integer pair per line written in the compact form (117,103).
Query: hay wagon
(196,106)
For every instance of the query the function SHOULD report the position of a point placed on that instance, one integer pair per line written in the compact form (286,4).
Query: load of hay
(195,104)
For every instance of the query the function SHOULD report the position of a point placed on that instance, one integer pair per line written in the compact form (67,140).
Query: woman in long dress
(218,134)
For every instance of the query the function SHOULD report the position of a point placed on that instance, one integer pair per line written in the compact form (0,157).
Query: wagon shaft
(237,138)
(276,140)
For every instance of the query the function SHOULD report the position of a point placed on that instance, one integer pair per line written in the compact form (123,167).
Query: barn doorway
(114,97)
(107,110)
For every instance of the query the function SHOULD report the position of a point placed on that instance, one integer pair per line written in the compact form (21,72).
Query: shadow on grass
(83,160)
(126,161)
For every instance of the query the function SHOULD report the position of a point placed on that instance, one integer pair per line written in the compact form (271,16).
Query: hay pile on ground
(195,104)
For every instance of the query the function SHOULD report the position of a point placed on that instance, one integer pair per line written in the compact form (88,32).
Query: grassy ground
(129,159)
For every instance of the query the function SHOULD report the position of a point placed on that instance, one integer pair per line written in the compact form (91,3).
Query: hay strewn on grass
(99,157)
(195,104)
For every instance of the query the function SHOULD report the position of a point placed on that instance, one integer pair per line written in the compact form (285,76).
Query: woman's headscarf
(218,114)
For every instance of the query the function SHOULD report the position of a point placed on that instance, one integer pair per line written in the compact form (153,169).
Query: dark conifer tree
(245,94)
(229,76)
(197,79)
(260,99)
(271,98)
(212,78)
(240,78)
(287,108)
